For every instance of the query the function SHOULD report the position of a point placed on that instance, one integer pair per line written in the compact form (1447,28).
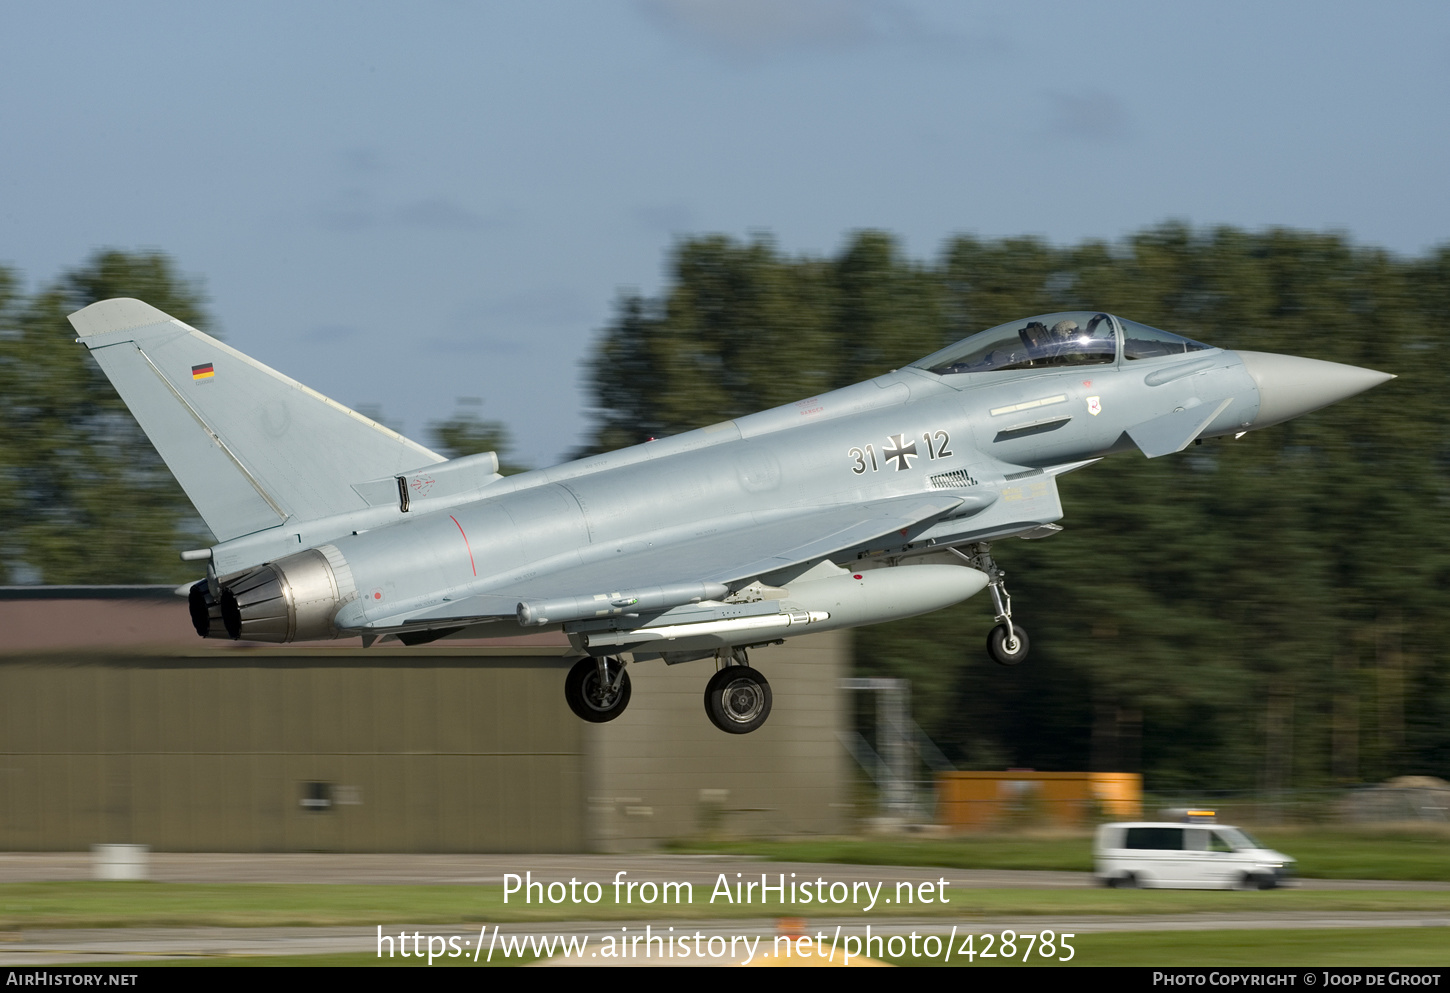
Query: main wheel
(590,698)
(1004,652)
(737,699)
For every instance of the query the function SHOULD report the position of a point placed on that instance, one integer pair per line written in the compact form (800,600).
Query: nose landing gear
(1006,644)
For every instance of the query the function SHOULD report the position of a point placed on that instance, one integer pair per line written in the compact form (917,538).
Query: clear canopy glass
(1082,337)
(1142,342)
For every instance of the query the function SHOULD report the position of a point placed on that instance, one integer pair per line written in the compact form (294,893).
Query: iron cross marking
(902,453)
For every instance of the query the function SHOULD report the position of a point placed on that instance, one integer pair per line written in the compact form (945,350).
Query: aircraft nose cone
(1290,385)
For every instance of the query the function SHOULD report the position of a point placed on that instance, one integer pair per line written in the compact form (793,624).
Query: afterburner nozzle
(1290,385)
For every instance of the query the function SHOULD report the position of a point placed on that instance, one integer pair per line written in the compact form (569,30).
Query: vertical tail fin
(251,447)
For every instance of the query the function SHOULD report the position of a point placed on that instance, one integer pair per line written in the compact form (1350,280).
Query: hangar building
(119,726)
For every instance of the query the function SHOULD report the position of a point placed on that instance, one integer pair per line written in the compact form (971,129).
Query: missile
(850,599)
(534,613)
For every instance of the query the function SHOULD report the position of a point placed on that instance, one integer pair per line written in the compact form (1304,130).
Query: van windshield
(1238,840)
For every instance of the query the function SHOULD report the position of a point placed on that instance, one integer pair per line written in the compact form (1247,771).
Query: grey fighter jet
(870,503)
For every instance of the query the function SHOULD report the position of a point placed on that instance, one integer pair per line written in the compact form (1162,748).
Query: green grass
(1385,854)
(1359,947)
(1069,854)
(1321,853)
(95,904)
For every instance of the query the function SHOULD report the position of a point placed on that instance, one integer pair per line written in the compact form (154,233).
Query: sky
(405,205)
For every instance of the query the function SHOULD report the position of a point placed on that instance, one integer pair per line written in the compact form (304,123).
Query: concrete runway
(117,946)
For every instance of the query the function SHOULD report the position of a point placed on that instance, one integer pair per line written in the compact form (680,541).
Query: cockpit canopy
(1080,337)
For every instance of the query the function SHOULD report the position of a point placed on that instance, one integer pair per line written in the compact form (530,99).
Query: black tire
(737,699)
(1127,881)
(588,698)
(997,645)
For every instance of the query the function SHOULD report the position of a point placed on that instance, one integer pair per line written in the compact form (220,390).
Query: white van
(1187,856)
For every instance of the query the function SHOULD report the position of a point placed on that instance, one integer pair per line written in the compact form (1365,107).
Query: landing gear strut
(737,698)
(1006,644)
(597,689)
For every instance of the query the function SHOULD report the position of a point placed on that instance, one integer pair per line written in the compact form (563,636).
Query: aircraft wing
(732,552)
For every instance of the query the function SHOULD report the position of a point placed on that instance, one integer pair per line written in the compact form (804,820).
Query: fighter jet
(870,503)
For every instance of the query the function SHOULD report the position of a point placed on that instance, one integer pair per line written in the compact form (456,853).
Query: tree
(466,433)
(87,498)
(745,329)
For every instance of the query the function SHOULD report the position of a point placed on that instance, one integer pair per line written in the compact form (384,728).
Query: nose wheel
(737,697)
(597,690)
(1006,643)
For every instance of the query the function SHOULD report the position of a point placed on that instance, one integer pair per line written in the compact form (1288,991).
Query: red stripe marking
(465,544)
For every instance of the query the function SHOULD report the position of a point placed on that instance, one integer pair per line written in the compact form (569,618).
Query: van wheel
(1249,881)
(1127,881)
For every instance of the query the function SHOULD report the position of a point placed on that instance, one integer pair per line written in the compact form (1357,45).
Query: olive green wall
(663,771)
(117,725)
(424,752)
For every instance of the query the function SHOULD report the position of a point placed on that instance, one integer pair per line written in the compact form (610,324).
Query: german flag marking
(202,371)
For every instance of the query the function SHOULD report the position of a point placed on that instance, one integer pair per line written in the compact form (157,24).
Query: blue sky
(404,204)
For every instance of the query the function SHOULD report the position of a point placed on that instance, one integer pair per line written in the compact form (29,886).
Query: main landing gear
(1006,644)
(597,689)
(737,697)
